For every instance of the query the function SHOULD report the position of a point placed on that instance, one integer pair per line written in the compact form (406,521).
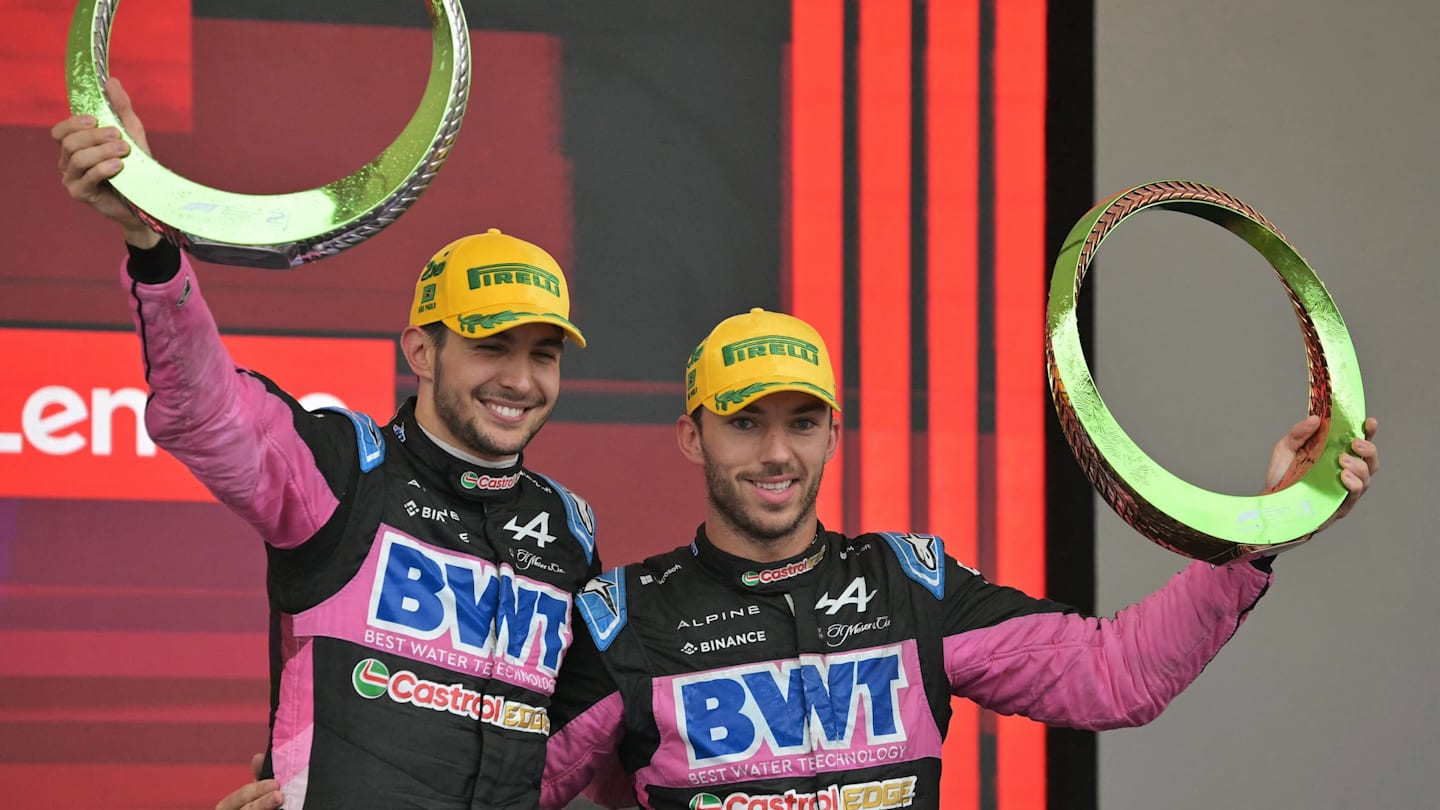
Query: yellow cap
(483,284)
(749,356)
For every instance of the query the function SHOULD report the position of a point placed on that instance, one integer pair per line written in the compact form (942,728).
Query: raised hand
(90,155)
(1355,472)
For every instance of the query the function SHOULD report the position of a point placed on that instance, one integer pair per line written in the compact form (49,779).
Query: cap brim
(742,395)
(483,324)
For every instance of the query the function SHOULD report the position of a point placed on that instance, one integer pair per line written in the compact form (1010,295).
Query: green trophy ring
(280,231)
(1180,516)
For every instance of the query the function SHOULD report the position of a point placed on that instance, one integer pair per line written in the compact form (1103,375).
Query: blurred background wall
(1321,114)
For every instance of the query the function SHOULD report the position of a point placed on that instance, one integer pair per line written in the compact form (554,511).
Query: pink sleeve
(584,753)
(1071,670)
(226,426)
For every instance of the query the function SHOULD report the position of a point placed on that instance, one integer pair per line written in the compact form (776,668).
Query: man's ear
(419,352)
(687,435)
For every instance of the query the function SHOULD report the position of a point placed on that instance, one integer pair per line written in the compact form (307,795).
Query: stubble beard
(450,408)
(724,495)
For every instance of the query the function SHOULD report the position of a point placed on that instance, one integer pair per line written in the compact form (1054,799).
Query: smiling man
(773,663)
(761,483)
(420,576)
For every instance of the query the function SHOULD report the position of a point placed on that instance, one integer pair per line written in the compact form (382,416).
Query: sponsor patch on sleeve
(922,557)
(368,439)
(602,605)
(579,516)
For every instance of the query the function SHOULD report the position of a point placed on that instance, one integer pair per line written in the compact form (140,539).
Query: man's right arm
(234,430)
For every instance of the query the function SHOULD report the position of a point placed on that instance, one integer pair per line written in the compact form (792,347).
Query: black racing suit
(824,681)
(420,604)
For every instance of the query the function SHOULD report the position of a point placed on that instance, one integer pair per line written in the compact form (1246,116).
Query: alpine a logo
(784,572)
(538,529)
(879,795)
(856,595)
(373,680)
(473,480)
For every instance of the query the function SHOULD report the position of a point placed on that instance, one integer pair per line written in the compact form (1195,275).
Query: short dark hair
(436,332)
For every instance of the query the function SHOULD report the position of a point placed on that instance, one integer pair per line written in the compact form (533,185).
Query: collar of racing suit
(471,482)
(755,577)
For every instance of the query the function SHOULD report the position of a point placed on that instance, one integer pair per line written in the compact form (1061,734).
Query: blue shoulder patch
(367,437)
(602,604)
(922,556)
(578,515)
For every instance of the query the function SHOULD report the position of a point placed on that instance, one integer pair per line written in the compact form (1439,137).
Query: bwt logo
(425,593)
(728,715)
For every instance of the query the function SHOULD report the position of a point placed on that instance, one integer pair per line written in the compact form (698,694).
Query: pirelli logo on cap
(769,346)
(492,275)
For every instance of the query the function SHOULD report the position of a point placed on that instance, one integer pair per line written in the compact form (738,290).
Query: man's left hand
(1357,467)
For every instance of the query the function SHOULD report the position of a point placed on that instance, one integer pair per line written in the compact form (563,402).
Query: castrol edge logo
(72,407)
(372,679)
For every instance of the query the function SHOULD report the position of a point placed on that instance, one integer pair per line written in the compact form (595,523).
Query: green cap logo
(471,323)
(735,396)
(491,275)
(770,346)
(370,678)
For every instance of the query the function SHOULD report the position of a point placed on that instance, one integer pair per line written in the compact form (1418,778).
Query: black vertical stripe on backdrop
(1071,756)
(985,346)
(675,164)
(850,197)
(985,224)
(985,271)
(919,262)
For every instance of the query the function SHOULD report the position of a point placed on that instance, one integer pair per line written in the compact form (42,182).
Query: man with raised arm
(771,663)
(420,576)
